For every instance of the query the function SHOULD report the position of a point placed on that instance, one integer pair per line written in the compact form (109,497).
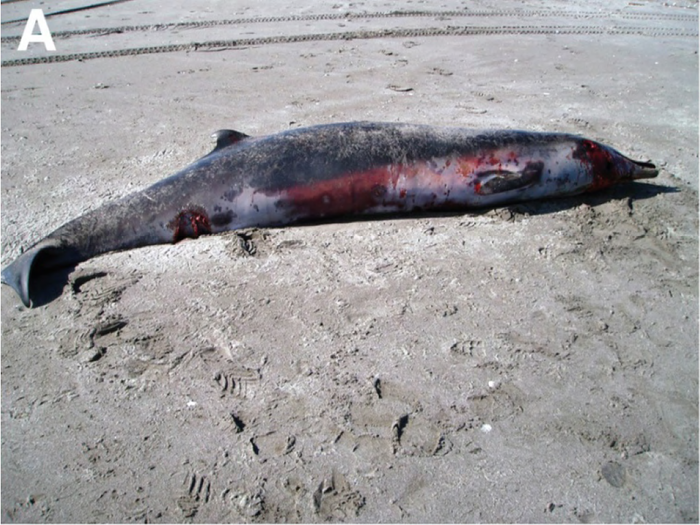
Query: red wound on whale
(599,160)
(190,223)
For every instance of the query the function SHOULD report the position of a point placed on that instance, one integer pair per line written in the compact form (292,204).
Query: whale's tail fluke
(18,274)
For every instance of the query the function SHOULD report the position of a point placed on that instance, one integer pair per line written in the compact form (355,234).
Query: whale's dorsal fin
(227,137)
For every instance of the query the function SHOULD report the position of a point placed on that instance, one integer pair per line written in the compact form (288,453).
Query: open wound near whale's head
(501,180)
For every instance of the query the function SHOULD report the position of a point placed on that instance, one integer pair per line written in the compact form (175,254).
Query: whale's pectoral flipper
(500,180)
(227,137)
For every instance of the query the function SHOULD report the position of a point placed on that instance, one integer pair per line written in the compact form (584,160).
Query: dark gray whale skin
(330,171)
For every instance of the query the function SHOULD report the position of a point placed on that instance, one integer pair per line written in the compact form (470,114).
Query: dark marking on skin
(223,218)
(190,223)
(230,195)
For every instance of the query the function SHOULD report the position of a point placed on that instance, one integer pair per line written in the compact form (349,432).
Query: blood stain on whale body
(190,223)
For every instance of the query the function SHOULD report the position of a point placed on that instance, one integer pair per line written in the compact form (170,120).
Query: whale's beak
(642,170)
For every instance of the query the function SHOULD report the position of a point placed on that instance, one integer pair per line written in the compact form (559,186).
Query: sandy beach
(531,363)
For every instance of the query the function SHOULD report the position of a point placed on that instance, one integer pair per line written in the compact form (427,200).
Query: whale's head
(609,166)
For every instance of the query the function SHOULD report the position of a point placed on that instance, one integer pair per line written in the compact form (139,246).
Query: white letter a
(36,17)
